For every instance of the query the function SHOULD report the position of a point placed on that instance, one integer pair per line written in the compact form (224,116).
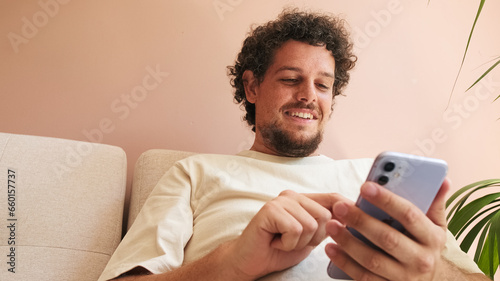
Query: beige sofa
(62,204)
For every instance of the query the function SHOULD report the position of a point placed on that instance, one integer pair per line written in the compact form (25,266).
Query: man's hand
(414,256)
(281,234)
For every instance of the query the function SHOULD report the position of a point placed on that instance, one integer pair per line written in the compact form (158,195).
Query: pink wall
(144,75)
(152,74)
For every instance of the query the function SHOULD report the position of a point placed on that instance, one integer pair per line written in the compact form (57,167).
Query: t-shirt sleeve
(454,254)
(161,230)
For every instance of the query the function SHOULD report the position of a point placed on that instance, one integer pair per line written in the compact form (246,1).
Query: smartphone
(412,177)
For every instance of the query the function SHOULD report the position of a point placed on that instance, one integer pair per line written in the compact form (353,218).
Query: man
(265,213)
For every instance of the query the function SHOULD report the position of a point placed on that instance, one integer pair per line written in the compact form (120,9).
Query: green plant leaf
(479,215)
(495,236)
(468,211)
(483,183)
(461,202)
(488,259)
(475,186)
(472,234)
(484,74)
(483,214)
(480,242)
(468,43)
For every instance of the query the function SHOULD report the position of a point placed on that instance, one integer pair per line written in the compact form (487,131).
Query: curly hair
(260,46)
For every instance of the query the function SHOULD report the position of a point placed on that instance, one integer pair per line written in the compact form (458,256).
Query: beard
(285,144)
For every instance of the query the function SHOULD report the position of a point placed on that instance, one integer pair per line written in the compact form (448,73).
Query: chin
(292,146)
(297,142)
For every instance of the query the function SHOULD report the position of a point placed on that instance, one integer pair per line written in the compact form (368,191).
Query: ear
(250,84)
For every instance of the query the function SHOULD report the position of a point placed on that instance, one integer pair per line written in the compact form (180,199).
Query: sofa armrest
(66,206)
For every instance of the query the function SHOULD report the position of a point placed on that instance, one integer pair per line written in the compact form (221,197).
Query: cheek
(326,106)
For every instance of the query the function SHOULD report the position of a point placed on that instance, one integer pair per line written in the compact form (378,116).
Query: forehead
(295,54)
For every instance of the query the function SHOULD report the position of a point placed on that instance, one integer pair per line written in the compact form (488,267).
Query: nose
(307,92)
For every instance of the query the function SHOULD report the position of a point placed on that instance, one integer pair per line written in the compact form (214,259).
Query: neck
(271,151)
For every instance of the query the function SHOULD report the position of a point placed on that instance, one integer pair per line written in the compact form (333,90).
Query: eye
(290,80)
(323,86)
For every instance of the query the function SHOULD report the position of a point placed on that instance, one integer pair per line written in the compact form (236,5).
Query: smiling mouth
(302,115)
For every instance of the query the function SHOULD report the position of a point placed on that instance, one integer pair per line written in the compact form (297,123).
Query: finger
(437,210)
(355,258)
(320,206)
(371,230)
(301,222)
(348,265)
(327,200)
(410,216)
(316,227)
(285,227)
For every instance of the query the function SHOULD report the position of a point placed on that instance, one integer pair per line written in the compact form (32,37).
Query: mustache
(302,105)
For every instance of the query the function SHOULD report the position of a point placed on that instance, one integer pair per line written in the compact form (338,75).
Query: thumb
(437,212)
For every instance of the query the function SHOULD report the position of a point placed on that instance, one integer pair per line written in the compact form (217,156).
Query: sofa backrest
(61,202)
(148,170)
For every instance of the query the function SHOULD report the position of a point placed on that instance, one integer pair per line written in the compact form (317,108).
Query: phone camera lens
(383,180)
(389,166)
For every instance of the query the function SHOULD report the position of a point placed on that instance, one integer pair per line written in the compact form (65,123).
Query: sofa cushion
(66,207)
(148,170)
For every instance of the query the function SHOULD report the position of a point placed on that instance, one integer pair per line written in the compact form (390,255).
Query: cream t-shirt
(205,200)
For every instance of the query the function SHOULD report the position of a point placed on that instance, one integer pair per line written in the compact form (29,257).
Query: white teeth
(302,115)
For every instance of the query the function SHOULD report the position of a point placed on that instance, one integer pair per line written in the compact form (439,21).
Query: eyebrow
(292,68)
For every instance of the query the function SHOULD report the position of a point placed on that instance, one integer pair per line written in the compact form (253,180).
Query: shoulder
(360,164)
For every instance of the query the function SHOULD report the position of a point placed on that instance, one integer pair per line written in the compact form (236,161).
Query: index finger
(328,200)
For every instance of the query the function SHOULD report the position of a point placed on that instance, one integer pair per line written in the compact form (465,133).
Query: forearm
(454,273)
(214,266)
